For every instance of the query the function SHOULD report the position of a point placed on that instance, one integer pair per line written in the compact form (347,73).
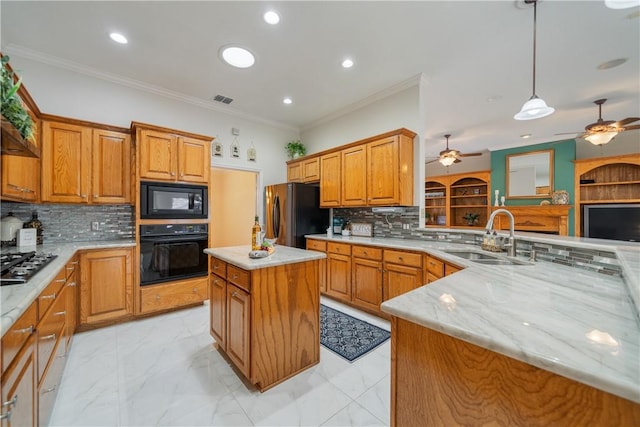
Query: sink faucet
(511,245)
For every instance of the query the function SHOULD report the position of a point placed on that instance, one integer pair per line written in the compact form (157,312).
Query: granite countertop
(576,323)
(15,299)
(239,256)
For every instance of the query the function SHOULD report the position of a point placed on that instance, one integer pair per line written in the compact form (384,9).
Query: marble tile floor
(164,371)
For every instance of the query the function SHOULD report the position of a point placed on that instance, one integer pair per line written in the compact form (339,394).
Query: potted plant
(295,149)
(471,218)
(12,108)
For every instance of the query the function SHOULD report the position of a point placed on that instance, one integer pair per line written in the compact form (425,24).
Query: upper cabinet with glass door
(530,175)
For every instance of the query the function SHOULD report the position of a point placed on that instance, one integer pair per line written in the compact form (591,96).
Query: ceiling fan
(603,131)
(450,156)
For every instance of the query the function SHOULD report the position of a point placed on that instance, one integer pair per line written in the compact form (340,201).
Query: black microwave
(160,200)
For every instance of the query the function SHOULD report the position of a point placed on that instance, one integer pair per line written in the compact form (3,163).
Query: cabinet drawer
(50,332)
(403,258)
(374,254)
(71,267)
(451,268)
(50,293)
(219,267)
(173,295)
(434,266)
(316,245)
(339,248)
(239,277)
(50,384)
(17,335)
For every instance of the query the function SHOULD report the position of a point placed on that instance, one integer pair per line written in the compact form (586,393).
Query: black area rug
(347,336)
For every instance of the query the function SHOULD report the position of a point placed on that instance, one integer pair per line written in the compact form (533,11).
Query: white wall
(67,93)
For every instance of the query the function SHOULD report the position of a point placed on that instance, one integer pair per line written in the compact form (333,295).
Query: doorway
(234,196)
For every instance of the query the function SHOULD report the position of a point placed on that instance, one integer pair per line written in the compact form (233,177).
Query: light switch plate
(361,229)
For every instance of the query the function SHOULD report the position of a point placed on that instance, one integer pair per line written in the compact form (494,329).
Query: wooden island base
(438,380)
(267,319)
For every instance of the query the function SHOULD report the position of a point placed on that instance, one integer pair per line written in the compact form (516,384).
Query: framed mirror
(530,174)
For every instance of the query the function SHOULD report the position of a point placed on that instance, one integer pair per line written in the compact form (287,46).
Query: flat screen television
(616,222)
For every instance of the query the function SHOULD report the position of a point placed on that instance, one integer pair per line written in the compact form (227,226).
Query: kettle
(9,226)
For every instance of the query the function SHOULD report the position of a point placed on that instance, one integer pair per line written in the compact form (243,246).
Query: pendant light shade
(447,161)
(601,138)
(535,107)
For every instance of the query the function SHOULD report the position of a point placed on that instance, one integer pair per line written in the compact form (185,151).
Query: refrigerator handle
(275,216)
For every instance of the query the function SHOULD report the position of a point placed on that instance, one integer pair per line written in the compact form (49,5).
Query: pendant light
(535,107)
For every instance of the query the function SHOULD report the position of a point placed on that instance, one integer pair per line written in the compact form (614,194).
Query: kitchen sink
(487,259)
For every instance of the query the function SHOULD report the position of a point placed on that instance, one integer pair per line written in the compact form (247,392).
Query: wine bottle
(255,236)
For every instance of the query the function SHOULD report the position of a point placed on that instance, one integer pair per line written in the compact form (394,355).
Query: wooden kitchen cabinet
(330,180)
(434,268)
(354,176)
(106,285)
(306,170)
(294,171)
(402,272)
(238,322)
(390,171)
(339,270)
(81,164)
(111,168)
(71,285)
(320,246)
(19,386)
(218,301)
(366,284)
(169,155)
(66,162)
(166,296)
(20,178)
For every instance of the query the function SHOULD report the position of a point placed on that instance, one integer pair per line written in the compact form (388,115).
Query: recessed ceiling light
(237,56)
(271,17)
(347,63)
(525,136)
(611,64)
(287,101)
(118,38)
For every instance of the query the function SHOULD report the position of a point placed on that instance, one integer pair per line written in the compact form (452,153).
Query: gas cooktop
(19,267)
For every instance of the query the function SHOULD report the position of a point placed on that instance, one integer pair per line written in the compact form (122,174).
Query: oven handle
(180,238)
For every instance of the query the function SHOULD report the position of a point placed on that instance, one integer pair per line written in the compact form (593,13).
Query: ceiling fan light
(534,108)
(447,161)
(601,138)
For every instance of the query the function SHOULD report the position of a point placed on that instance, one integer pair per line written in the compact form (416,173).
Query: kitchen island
(265,312)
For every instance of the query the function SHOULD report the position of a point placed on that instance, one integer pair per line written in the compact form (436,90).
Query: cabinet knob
(27,330)
(95,196)
(84,196)
(195,290)
(400,258)
(157,297)
(182,175)
(235,276)
(172,173)
(234,294)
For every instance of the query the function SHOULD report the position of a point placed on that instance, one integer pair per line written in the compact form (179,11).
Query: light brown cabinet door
(354,176)
(106,285)
(294,172)
(72,302)
(366,286)
(311,170)
(111,169)
(194,157)
(339,276)
(66,163)
(20,178)
(330,180)
(218,309)
(19,388)
(238,328)
(158,153)
(382,172)
(399,279)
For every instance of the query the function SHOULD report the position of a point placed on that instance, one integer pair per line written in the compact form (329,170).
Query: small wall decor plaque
(218,149)
(251,153)
(235,148)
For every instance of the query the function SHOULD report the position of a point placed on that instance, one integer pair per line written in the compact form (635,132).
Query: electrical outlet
(95,226)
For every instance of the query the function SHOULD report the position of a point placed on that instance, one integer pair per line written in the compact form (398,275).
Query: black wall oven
(160,200)
(172,251)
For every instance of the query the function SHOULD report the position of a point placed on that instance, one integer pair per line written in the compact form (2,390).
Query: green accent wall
(563,173)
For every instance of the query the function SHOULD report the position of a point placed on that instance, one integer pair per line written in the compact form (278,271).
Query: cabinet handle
(48,337)
(157,297)
(400,258)
(74,262)
(84,196)
(95,196)
(182,175)
(172,173)
(235,276)
(70,284)
(52,296)
(215,267)
(11,402)
(69,268)
(195,290)
(49,390)
(60,281)
(60,313)
(28,190)
(27,330)
(15,187)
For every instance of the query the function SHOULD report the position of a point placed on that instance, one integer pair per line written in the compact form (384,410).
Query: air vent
(223,99)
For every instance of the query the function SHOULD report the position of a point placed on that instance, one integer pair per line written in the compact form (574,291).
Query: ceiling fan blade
(622,123)
(469,154)
(632,127)
(569,133)
(432,161)
(457,161)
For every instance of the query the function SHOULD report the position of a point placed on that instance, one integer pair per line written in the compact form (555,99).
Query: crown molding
(416,80)
(26,53)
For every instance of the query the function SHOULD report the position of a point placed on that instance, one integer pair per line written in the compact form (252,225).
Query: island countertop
(239,256)
(576,323)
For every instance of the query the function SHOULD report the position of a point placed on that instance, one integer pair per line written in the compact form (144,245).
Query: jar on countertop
(37,224)
(9,226)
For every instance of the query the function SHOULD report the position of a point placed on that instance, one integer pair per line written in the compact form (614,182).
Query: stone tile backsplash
(72,223)
(391,226)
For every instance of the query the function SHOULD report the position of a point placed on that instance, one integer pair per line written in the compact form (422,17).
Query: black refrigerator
(293,210)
